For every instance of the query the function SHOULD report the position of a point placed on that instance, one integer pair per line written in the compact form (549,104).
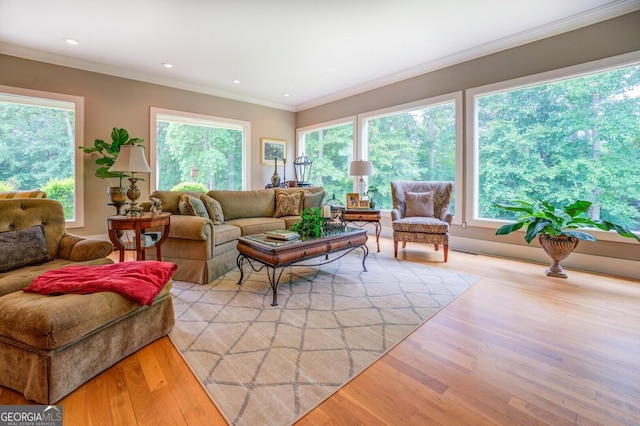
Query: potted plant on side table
(371,193)
(109,152)
(556,228)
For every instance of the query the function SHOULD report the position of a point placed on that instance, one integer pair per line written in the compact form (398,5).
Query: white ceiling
(314,50)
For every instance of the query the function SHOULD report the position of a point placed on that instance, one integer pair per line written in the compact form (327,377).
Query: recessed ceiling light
(166,65)
(236,81)
(286,95)
(71,41)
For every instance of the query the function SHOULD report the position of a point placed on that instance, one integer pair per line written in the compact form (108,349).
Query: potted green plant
(557,227)
(108,153)
(371,193)
(310,224)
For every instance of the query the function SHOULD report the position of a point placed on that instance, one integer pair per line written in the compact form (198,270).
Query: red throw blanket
(139,281)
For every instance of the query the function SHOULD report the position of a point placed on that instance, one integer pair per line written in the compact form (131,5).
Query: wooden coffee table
(270,254)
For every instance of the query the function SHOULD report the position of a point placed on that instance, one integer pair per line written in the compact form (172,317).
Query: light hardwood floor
(516,348)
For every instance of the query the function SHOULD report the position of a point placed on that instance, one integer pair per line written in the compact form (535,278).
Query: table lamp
(131,159)
(361,168)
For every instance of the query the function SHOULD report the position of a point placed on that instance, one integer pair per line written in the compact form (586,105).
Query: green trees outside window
(412,145)
(37,147)
(331,150)
(198,156)
(576,138)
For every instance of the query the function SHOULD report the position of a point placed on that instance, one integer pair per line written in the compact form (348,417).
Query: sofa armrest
(395,215)
(446,215)
(191,227)
(80,249)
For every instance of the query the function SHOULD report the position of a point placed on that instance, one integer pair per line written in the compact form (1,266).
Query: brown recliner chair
(421,213)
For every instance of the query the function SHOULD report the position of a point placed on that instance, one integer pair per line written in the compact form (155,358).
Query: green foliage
(110,151)
(566,140)
(311,223)
(542,217)
(189,187)
(36,144)
(63,191)
(215,151)
(7,185)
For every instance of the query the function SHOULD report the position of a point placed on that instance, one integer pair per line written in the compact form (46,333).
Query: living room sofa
(205,248)
(51,344)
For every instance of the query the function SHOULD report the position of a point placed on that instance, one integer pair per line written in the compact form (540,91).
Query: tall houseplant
(557,227)
(108,153)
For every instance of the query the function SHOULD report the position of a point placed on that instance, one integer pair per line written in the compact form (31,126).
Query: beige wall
(117,102)
(610,38)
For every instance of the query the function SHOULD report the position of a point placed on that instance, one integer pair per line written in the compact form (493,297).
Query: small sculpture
(156,205)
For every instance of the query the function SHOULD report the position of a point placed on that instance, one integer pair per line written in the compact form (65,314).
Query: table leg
(274,287)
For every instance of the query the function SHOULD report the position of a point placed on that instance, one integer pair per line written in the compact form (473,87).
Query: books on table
(282,235)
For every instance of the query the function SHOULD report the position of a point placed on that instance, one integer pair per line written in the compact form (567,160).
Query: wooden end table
(138,224)
(362,217)
(280,254)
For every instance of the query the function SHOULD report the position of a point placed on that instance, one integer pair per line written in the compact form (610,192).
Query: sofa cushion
(213,208)
(241,204)
(32,193)
(257,225)
(225,233)
(171,199)
(419,204)
(50,322)
(192,206)
(311,199)
(23,247)
(288,204)
(20,278)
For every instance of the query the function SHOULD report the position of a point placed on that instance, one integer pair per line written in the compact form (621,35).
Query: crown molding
(609,11)
(100,68)
(603,13)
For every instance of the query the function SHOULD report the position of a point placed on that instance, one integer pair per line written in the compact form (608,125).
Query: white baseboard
(578,261)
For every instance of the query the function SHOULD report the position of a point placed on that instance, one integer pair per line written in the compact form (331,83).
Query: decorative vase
(558,248)
(275,178)
(117,194)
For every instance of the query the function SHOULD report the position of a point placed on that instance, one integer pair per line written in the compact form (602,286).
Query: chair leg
(404,244)
(437,246)
(395,248)
(446,252)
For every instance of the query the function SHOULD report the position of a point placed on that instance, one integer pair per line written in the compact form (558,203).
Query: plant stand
(558,248)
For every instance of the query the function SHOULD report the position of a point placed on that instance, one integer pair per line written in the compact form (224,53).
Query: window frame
(78,159)
(457,99)
(327,125)
(197,119)
(471,124)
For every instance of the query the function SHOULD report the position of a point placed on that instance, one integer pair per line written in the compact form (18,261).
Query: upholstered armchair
(421,213)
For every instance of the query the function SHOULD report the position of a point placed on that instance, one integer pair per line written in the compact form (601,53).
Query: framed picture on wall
(353,199)
(272,149)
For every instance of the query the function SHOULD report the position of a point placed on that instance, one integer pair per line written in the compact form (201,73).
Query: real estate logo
(30,415)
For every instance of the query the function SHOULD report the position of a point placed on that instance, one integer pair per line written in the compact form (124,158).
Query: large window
(561,140)
(197,152)
(412,142)
(40,133)
(330,147)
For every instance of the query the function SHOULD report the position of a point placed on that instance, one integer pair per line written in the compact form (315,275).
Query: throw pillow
(23,247)
(213,208)
(288,204)
(192,206)
(419,204)
(312,199)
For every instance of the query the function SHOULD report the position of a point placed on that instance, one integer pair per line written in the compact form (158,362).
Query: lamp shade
(131,159)
(361,168)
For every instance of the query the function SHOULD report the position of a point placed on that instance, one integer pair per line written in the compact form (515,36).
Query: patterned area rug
(271,365)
